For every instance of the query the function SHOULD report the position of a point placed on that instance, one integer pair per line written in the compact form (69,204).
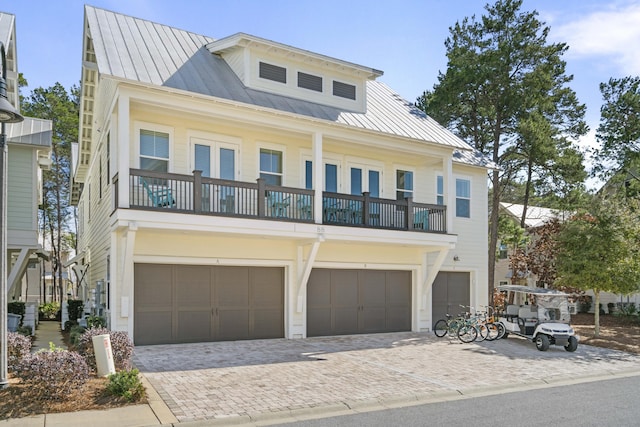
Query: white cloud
(613,33)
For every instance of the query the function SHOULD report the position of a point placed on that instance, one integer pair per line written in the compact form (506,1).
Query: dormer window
(309,81)
(273,72)
(344,90)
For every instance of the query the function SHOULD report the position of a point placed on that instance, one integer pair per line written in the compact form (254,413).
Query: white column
(449,187)
(318,177)
(123,149)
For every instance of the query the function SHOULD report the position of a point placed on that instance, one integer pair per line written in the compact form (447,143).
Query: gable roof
(142,51)
(536,216)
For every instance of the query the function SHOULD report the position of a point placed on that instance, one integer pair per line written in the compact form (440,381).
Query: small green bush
(27,331)
(49,310)
(76,307)
(127,385)
(96,322)
(53,375)
(121,346)
(75,333)
(17,307)
(18,347)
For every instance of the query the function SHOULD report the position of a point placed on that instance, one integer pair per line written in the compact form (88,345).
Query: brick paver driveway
(247,378)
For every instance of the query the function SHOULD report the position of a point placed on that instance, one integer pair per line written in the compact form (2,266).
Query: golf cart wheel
(542,342)
(572,345)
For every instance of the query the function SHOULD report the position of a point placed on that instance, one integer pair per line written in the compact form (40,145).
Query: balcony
(194,194)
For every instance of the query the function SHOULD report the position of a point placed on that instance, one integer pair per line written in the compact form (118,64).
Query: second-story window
(154,151)
(331,177)
(271,166)
(440,190)
(404,184)
(308,174)
(463,198)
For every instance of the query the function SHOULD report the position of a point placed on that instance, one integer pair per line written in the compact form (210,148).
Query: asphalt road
(600,403)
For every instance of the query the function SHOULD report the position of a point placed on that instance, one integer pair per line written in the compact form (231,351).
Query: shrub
(18,347)
(121,346)
(126,384)
(53,374)
(17,307)
(96,322)
(76,307)
(49,310)
(27,330)
(75,333)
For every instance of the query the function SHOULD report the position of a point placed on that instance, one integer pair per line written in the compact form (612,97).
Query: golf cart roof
(531,290)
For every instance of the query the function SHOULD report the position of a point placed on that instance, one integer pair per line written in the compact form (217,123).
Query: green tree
(599,250)
(505,85)
(62,108)
(619,128)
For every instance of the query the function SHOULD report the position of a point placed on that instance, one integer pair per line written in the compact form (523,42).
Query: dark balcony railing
(209,196)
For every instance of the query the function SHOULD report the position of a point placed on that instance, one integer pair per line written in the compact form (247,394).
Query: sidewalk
(48,332)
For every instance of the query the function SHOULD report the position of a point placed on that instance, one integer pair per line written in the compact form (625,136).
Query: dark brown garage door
(192,303)
(343,302)
(450,291)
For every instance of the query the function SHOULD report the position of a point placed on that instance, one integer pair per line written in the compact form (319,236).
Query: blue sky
(403,38)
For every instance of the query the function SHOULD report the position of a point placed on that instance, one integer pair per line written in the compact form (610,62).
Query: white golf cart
(538,314)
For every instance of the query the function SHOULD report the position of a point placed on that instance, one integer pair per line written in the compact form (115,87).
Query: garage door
(343,302)
(450,291)
(187,303)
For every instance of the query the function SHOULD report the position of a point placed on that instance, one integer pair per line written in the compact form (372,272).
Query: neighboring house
(241,188)
(29,145)
(536,217)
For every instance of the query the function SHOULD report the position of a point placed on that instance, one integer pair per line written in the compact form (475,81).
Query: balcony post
(197,191)
(365,208)
(409,213)
(261,198)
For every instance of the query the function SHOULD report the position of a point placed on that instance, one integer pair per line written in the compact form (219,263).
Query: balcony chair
(159,195)
(278,203)
(304,208)
(421,220)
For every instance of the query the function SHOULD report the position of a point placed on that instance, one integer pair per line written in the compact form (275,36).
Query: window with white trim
(404,184)
(215,159)
(439,190)
(463,198)
(154,151)
(364,179)
(271,166)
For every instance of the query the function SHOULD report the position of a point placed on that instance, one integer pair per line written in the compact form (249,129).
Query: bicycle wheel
(494,331)
(502,331)
(483,332)
(467,333)
(441,327)
(454,325)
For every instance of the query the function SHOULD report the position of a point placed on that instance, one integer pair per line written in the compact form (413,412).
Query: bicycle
(449,326)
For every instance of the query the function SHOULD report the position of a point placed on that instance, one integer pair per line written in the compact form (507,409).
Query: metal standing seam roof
(151,53)
(30,131)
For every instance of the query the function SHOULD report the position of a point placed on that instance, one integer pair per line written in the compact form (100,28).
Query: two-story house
(28,148)
(241,188)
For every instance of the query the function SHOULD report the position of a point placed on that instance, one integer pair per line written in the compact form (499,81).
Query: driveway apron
(245,378)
